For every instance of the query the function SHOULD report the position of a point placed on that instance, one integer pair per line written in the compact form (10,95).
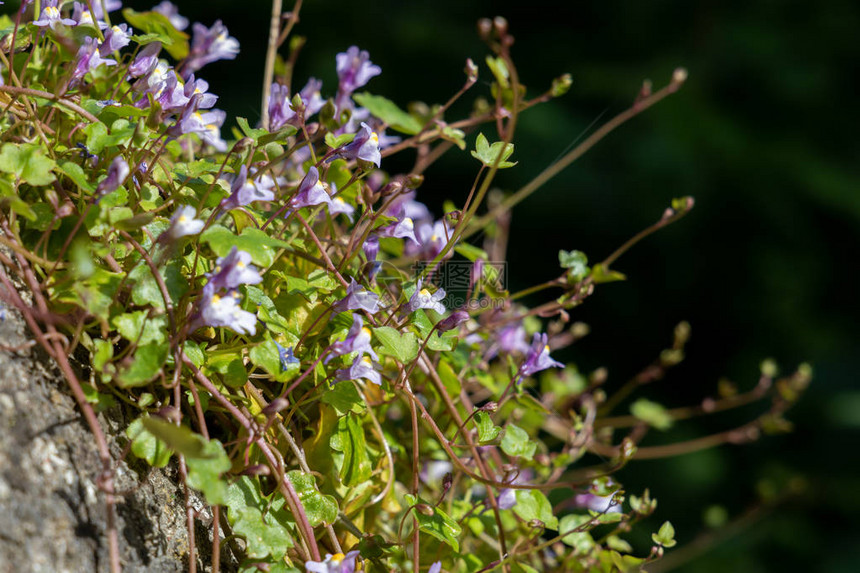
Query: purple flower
(365,146)
(217,310)
(422,298)
(207,125)
(110,6)
(281,111)
(88,59)
(357,340)
(538,357)
(199,86)
(244,192)
(338,563)
(405,205)
(183,223)
(434,470)
(598,503)
(285,355)
(361,368)
(456,318)
(171,96)
(371,247)
(312,97)
(51,16)
(311,191)
(357,297)
(117,37)
(83,17)
(116,176)
(435,567)
(338,205)
(354,69)
(511,339)
(170,10)
(234,270)
(145,61)
(209,45)
(431,240)
(507,498)
(405,228)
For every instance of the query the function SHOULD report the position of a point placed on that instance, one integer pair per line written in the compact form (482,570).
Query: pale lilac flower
(88,59)
(285,355)
(402,229)
(110,5)
(431,240)
(422,298)
(357,297)
(371,247)
(200,87)
(209,45)
(361,368)
(357,340)
(146,61)
(507,498)
(170,10)
(538,357)
(354,69)
(338,205)
(234,270)
(365,146)
(338,563)
(281,110)
(310,192)
(217,310)
(117,37)
(116,176)
(183,223)
(434,470)
(511,339)
(435,567)
(207,125)
(51,16)
(244,192)
(83,17)
(597,503)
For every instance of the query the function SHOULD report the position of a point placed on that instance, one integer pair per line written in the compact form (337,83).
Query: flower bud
(425,509)
(679,76)
(456,318)
(561,85)
(471,71)
(275,406)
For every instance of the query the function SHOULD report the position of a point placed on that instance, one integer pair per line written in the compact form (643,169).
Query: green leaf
(253,241)
(336,141)
(438,342)
(264,535)
(602,274)
(455,136)
(438,523)
(179,438)
(156,24)
(27,162)
(320,509)
(248,130)
(146,446)
(516,442)
(576,262)
(74,172)
(579,540)
(266,356)
(204,472)
(487,430)
(665,536)
(137,327)
(388,112)
(471,252)
(652,413)
(146,291)
(146,363)
(349,439)
(344,397)
(533,504)
(488,154)
(403,347)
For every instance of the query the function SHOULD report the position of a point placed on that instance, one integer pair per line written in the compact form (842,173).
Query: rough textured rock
(52,515)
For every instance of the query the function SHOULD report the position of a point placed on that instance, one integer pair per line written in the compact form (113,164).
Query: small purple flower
(209,45)
(183,223)
(507,498)
(83,17)
(354,69)
(285,355)
(431,240)
(145,61)
(435,567)
(538,357)
(117,37)
(357,340)
(88,59)
(280,110)
(207,125)
(170,10)
(338,563)
(598,503)
(357,297)
(234,270)
(116,176)
(338,205)
(434,470)
(371,247)
(198,86)
(422,298)
(312,97)
(456,318)
(361,368)
(405,228)
(511,339)
(365,146)
(51,16)
(217,310)
(245,192)
(405,205)
(110,6)
(311,191)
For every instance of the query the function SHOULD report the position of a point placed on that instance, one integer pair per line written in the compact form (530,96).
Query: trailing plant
(342,375)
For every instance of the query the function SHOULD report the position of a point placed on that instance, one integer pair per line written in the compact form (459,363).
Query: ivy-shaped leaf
(516,442)
(388,112)
(147,361)
(487,430)
(255,242)
(350,440)
(436,522)
(402,346)
(27,162)
(320,509)
(138,327)
(264,535)
(488,154)
(665,536)
(533,504)
(146,446)
(651,413)
(204,472)
(157,24)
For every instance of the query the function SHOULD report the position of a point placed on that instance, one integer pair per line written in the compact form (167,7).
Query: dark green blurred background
(762,135)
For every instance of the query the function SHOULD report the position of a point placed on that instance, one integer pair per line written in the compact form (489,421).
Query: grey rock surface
(52,514)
